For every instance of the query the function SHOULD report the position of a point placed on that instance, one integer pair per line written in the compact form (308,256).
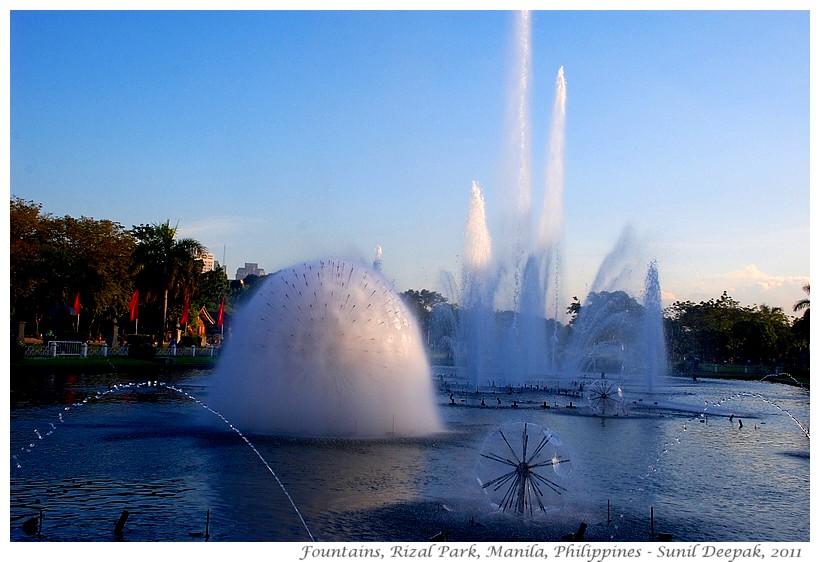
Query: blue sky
(280,137)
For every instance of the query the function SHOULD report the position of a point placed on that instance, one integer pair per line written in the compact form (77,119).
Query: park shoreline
(47,365)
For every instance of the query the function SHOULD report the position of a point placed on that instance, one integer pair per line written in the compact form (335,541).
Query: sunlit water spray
(520,160)
(326,349)
(552,215)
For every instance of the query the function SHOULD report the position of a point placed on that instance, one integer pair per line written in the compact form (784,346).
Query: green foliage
(242,290)
(141,346)
(421,304)
(54,258)
(29,234)
(164,266)
(600,308)
(188,341)
(573,309)
(211,287)
(800,327)
(722,331)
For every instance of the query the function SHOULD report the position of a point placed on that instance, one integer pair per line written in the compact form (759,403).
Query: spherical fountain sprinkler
(605,397)
(522,468)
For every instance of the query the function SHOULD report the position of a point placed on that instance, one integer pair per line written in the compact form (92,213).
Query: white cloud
(751,275)
(749,285)
(215,227)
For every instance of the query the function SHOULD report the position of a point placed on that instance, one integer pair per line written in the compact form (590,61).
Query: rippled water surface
(84,449)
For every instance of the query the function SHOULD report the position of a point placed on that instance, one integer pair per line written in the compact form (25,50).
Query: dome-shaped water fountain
(326,349)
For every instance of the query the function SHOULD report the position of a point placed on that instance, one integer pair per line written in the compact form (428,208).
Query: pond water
(677,463)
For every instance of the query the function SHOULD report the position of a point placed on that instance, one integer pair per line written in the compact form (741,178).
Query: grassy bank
(734,372)
(124,363)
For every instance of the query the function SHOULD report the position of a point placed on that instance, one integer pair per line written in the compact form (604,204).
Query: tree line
(78,277)
(719,330)
(57,262)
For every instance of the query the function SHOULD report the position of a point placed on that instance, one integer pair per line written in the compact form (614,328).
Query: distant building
(249,269)
(208,261)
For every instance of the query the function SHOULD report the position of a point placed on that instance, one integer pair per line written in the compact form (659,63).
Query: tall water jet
(513,348)
(326,349)
(552,214)
(541,272)
(518,199)
(477,240)
(551,224)
(508,328)
(655,359)
(477,316)
(613,332)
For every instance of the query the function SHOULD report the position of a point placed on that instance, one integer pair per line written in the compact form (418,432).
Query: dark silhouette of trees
(53,259)
(163,265)
(421,303)
(800,328)
(722,331)
(803,304)
(29,272)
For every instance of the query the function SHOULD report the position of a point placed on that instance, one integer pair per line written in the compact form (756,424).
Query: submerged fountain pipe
(120,524)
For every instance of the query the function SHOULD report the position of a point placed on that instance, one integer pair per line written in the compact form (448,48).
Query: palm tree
(801,327)
(803,304)
(163,264)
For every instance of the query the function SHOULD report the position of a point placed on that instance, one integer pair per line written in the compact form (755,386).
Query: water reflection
(146,449)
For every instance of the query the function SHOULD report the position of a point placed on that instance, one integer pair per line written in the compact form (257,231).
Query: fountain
(507,330)
(326,349)
(613,332)
(605,397)
(86,448)
(653,335)
(523,468)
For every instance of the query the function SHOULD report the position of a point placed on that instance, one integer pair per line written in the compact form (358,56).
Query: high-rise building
(208,261)
(249,269)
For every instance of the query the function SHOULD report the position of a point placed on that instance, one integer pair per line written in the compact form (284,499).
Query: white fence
(82,349)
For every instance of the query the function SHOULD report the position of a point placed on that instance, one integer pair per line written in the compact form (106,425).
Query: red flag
(77,304)
(221,318)
(184,318)
(134,305)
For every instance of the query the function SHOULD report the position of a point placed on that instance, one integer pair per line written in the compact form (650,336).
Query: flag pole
(77,310)
(133,308)
(221,320)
